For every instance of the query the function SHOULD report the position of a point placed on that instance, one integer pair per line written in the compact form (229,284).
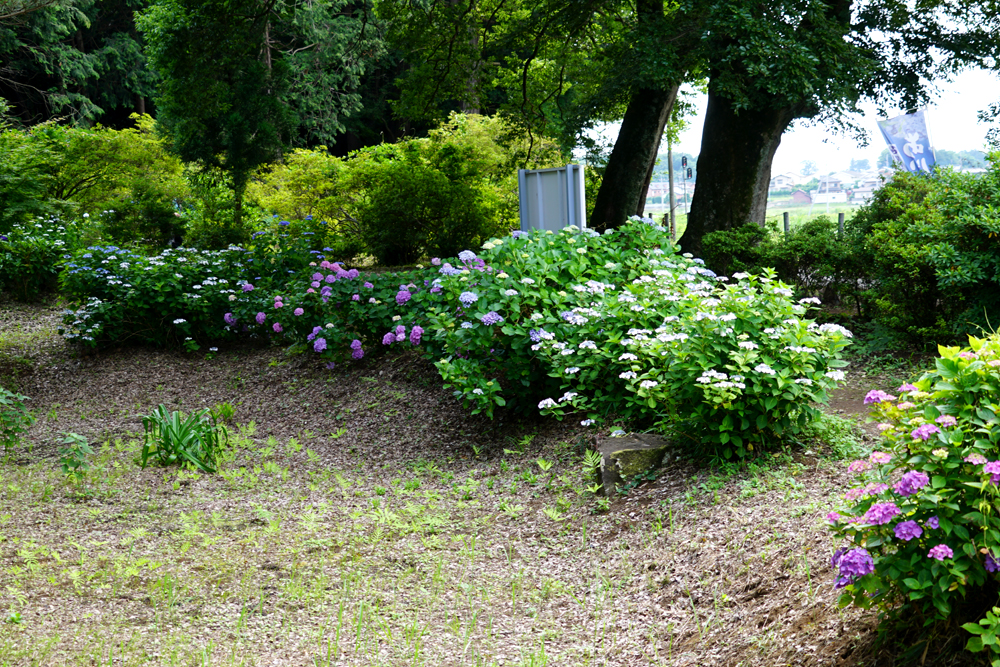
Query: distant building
(801,197)
(783,181)
(829,197)
(830,183)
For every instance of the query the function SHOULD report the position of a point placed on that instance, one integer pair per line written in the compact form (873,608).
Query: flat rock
(624,458)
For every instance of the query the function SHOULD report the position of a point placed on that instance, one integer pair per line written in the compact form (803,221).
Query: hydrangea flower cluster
(917,507)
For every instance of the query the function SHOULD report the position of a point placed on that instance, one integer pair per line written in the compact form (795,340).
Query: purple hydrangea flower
(400,333)
(356,297)
(856,563)
(907,530)
(355,344)
(298,311)
(352,274)
(402,297)
(924,432)
(284,223)
(946,420)
(878,396)
(491,318)
(230,319)
(991,564)
(314,284)
(907,387)
(468,298)
(912,482)
(940,552)
(834,517)
(415,335)
(932,523)
(369,286)
(467,256)
(260,318)
(517,233)
(435,261)
(320,344)
(317,277)
(278,304)
(435,289)
(247,287)
(358,353)
(881,513)
(330,278)
(389,338)
(993,468)
(277,327)
(975,458)
(315,332)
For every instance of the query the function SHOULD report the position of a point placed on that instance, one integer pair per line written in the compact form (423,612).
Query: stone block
(624,458)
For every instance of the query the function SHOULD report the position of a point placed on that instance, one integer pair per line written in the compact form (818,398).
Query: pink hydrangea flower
(277,327)
(879,458)
(940,552)
(907,387)
(905,405)
(946,420)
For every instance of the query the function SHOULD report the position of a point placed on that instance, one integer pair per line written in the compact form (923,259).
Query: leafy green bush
(811,257)
(15,418)
(128,173)
(414,207)
(417,197)
(618,324)
(926,248)
(172,439)
(920,519)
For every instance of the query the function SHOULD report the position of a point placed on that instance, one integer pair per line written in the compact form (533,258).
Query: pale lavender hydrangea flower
(976,458)
(298,311)
(946,420)
(320,344)
(491,318)
(415,334)
(260,318)
(468,298)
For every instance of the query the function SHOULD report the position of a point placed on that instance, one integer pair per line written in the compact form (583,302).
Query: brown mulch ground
(699,567)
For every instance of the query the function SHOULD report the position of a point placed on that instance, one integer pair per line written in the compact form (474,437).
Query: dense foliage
(617,326)
(920,520)
(927,253)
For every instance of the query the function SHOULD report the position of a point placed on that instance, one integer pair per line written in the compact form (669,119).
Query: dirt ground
(697,567)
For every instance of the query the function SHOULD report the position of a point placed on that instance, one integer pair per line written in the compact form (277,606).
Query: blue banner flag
(909,141)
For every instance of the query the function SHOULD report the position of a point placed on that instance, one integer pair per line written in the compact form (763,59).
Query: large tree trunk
(626,178)
(734,168)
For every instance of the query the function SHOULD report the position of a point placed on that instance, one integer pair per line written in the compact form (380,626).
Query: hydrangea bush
(610,327)
(175,298)
(32,254)
(920,520)
(618,325)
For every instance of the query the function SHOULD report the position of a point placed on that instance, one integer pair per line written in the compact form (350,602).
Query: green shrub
(928,254)
(53,168)
(15,418)
(173,439)
(414,207)
(921,519)
(811,257)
